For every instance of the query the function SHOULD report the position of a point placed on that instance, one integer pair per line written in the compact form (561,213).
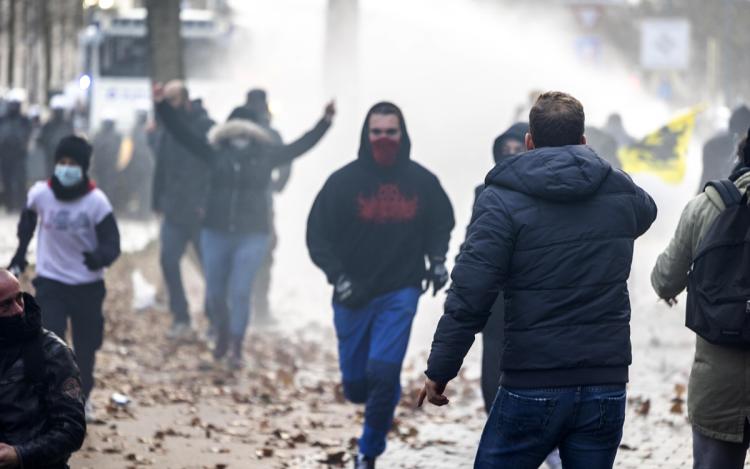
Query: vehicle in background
(115,81)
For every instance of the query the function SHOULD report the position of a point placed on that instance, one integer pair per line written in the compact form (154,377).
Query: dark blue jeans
(174,240)
(524,425)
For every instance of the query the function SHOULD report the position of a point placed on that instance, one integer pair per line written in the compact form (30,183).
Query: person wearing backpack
(718,391)
(41,402)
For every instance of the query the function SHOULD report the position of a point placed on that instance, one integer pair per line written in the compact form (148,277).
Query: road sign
(588,15)
(665,43)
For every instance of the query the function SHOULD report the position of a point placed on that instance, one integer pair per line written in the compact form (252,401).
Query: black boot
(236,360)
(222,342)
(364,462)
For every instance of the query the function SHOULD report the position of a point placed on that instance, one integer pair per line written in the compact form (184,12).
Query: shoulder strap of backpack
(728,192)
(33,359)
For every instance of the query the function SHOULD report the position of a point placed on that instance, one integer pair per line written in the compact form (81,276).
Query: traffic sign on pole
(665,43)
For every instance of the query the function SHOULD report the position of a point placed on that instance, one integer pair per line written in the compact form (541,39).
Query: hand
(330,111)
(92,262)
(8,457)
(437,276)
(349,294)
(17,265)
(157,92)
(433,392)
(670,301)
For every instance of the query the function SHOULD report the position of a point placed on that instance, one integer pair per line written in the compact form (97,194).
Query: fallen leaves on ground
(161,402)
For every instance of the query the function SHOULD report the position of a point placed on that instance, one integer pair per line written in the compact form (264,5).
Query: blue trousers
(372,345)
(525,425)
(230,261)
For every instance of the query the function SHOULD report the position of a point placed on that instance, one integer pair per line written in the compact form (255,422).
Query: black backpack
(718,300)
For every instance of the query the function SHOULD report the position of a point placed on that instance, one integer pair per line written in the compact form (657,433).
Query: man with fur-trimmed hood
(257,110)
(371,230)
(241,156)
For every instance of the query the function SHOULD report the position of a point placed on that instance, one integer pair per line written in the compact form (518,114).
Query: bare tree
(11,43)
(165,43)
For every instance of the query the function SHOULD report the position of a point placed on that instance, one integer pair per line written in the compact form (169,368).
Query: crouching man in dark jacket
(553,229)
(41,404)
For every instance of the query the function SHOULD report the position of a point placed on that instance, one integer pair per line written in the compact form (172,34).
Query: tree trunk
(29,49)
(165,43)
(46,29)
(12,43)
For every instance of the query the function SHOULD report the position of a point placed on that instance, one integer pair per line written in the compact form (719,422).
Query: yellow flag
(663,152)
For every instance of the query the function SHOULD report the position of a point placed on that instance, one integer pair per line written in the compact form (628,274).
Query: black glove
(92,261)
(18,265)
(348,293)
(437,276)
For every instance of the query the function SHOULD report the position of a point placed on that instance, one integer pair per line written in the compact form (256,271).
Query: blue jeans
(372,345)
(525,425)
(174,240)
(231,261)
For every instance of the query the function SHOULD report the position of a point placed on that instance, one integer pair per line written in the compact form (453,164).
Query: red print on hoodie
(388,205)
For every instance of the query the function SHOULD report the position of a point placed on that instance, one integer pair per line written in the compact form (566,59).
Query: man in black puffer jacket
(553,229)
(41,403)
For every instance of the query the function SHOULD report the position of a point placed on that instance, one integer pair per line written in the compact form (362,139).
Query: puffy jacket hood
(238,129)
(561,174)
(365,150)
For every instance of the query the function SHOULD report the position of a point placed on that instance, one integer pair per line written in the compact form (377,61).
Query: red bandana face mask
(385,151)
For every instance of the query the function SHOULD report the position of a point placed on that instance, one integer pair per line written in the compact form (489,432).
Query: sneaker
(88,410)
(364,462)
(221,344)
(180,331)
(236,360)
(553,460)
(209,336)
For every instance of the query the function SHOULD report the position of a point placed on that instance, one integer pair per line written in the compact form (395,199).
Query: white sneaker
(88,410)
(553,460)
(210,335)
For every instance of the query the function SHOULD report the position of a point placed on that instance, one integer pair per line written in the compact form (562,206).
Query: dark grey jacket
(180,181)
